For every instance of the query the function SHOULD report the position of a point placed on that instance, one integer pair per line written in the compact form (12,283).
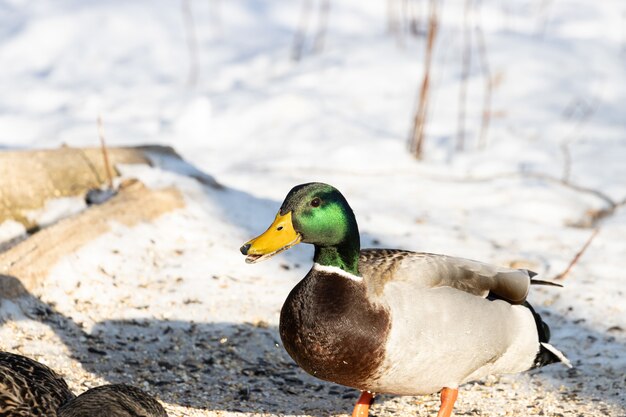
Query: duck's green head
(313,213)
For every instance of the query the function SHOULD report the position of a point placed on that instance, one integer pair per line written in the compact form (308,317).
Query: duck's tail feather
(533,281)
(547,353)
(542,328)
(556,355)
(542,282)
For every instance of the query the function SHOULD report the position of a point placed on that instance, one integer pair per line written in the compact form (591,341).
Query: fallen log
(30,178)
(31,260)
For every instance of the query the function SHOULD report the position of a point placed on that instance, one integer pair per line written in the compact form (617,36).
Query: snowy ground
(172,307)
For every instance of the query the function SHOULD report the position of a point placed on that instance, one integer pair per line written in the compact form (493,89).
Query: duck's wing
(427,270)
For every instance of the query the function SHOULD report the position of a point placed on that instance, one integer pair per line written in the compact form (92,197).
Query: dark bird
(31,389)
(116,400)
(394,321)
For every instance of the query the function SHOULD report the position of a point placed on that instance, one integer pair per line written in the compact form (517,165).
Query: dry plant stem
(594,217)
(588,111)
(395,22)
(417,136)
(320,36)
(543,16)
(300,36)
(565,273)
(590,219)
(402,22)
(573,186)
(192,42)
(567,162)
(416,17)
(588,107)
(215,14)
(392,20)
(465,67)
(488,82)
(410,15)
(105,152)
(405,16)
(544,177)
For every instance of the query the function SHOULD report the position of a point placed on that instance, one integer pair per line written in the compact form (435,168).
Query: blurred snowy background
(524,156)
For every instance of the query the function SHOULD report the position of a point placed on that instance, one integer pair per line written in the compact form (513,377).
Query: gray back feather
(427,270)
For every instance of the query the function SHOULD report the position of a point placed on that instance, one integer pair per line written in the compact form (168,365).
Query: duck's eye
(316,202)
(279,228)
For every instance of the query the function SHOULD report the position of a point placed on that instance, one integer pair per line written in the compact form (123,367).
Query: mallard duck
(115,400)
(395,321)
(31,389)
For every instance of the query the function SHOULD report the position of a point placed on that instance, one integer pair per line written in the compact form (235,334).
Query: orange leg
(448,397)
(362,407)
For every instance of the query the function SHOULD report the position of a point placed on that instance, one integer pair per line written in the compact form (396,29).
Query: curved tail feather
(547,353)
(542,282)
(560,357)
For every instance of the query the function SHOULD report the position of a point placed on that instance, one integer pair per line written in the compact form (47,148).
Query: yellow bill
(278,237)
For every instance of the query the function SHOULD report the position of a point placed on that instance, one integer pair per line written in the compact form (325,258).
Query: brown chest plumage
(333,331)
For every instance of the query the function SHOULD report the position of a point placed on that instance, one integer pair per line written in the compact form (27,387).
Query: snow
(56,209)
(260,123)
(10,229)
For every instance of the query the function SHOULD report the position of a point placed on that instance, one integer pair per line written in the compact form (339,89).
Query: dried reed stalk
(192,42)
(392,20)
(574,260)
(300,36)
(417,136)
(415,19)
(105,153)
(488,84)
(320,36)
(466,62)
(403,18)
